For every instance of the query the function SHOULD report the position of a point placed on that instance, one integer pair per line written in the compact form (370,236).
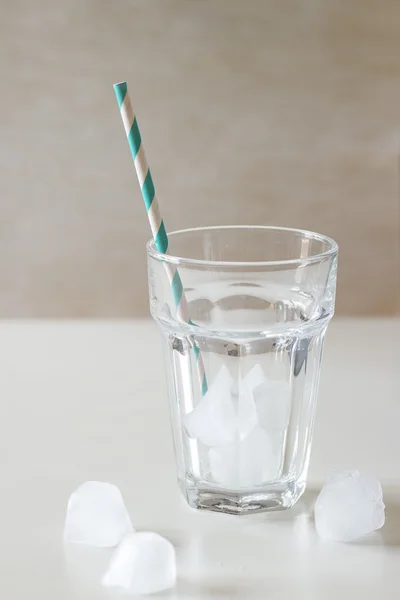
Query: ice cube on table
(273,403)
(96,515)
(143,563)
(349,506)
(245,463)
(214,419)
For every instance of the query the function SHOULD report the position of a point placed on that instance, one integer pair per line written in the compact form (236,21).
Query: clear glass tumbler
(243,312)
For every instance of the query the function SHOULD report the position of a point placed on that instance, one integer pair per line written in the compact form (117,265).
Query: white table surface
(86,400)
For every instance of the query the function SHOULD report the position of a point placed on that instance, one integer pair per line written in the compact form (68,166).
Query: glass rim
(306,234)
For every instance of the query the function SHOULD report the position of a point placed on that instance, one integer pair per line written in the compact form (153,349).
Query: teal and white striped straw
(153,212)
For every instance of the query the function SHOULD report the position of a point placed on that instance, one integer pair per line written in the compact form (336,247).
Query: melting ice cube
(245,463)
(96,515)
(143,563)
(349,506)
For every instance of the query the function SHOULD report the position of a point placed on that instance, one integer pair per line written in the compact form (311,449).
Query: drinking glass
(243,360)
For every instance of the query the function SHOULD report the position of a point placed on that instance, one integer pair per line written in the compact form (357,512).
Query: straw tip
(121,91)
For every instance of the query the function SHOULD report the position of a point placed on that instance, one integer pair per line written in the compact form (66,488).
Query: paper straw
(153,212)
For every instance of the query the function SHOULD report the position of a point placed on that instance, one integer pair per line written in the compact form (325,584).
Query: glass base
(242,502)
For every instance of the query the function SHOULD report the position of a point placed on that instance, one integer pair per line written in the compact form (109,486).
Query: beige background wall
(252,112)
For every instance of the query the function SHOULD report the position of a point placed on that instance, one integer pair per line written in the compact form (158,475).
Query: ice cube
(143,563)
(214,420)
(273,403)
(245,463)
(96,515)
(254,377)
(349,506)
